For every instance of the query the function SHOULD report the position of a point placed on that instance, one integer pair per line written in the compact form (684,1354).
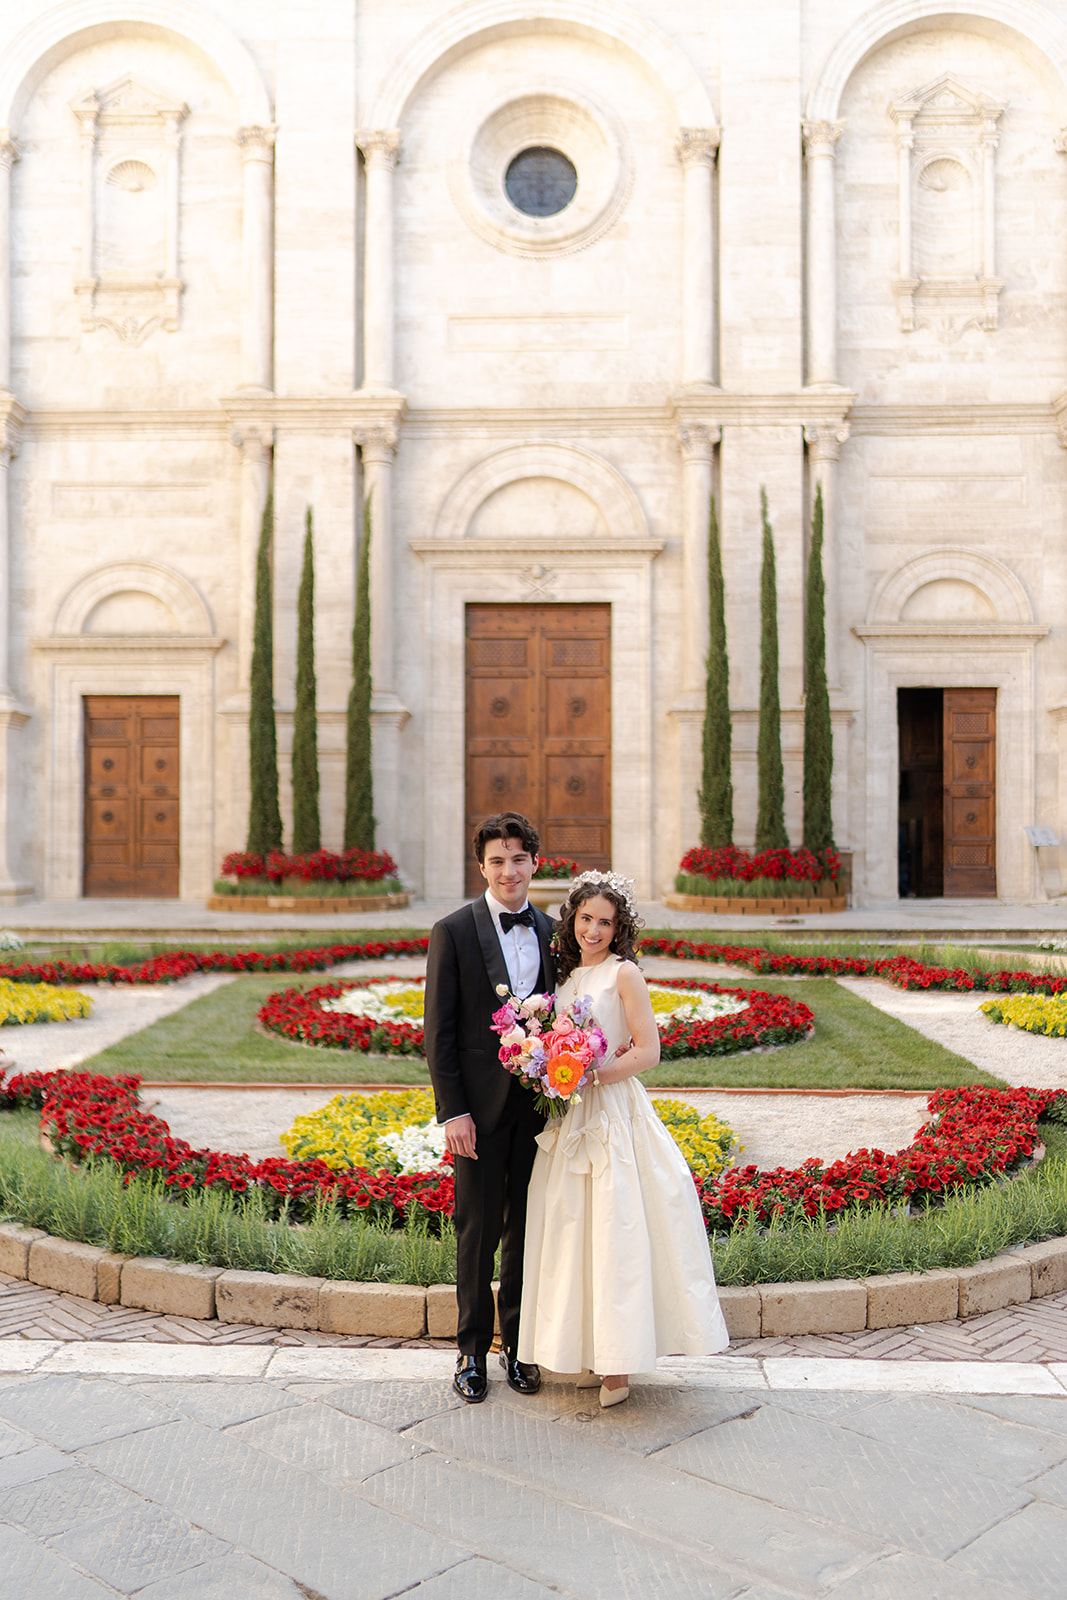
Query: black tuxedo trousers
(464,966)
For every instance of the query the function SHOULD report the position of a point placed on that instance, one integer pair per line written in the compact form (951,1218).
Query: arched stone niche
(1034,24)
(466,27)
(955,619)
(984,589)
(139,592)
(537,482)
(64,29)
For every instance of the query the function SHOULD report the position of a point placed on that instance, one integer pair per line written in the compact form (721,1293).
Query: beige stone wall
(277,237)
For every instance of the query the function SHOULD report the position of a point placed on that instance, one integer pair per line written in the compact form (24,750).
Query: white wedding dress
(617,1266)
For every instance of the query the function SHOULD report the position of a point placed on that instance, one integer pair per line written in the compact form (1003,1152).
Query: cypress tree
(716,795)
(818,735)
(770,815)
(264,816)
(359,781)
(307,834)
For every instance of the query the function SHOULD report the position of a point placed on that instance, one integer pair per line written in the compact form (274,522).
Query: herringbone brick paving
(1036,1331)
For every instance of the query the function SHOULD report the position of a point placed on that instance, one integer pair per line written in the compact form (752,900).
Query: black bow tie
(513,919)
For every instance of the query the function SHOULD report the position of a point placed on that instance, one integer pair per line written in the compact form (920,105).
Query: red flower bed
(95,1118)
(974,1135)
(183,963)
(727,861)
(903,971)
(768,1019)
(322,866)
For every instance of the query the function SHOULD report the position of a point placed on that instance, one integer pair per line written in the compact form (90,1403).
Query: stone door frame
(614,571)
(951,656)
(116,666)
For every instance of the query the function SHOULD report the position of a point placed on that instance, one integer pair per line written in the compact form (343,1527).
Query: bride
(617,1266)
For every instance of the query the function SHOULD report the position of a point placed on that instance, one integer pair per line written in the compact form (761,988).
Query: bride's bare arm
(644,1035)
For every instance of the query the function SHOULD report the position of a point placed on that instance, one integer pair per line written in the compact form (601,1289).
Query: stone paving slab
(729,1477)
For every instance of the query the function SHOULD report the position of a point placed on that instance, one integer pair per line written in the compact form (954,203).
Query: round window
(540,182)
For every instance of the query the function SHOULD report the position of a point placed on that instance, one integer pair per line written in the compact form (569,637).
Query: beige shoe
(588,1380)
(614,1397)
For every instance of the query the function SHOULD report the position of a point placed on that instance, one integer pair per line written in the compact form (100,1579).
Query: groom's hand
(460,1137)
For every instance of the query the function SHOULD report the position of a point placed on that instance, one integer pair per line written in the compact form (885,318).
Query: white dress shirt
(522,950)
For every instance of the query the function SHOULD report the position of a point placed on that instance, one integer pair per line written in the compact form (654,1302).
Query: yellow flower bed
(350,1131)
(40,1002)
(347,1131)
(706,1143)
(1034,1013)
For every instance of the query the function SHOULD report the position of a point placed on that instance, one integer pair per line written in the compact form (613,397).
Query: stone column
(85,282)
(696,151)
(9,154)
(255,447)
(820,139)
(13,716)
(388,714)
(257,258)
(697,445)
(824,452)
(381,150)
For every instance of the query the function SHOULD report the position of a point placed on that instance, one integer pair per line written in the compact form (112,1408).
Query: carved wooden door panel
(970,792)
(539,725)
(131,796)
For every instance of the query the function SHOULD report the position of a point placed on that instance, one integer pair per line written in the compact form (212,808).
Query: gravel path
(116,1013)
(954,1020)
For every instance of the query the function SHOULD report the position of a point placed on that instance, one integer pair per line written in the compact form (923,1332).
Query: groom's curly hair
(565,941)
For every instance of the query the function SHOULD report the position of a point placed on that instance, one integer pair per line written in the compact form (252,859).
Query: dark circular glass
(540,182)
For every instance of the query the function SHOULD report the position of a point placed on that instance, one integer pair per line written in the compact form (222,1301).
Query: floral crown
(623,887)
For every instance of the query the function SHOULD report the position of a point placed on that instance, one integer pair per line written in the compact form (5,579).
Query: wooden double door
(948,803)
(538,725)
(131,796)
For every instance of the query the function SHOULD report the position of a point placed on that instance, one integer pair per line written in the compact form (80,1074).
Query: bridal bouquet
(552,1049)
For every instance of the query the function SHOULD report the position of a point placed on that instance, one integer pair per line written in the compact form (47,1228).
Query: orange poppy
(563,1072)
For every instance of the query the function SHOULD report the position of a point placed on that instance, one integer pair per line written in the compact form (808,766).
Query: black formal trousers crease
(464,966)
(491,1207)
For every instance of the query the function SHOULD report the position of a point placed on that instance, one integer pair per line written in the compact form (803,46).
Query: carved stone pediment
(947,138)
(128,282)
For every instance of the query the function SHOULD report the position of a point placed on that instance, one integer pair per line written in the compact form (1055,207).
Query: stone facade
(809,244)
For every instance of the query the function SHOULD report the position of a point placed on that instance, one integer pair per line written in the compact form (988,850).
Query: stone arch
(169,588)
(584,470)
(891,18)
(472,25)
(948,564)
(64,28)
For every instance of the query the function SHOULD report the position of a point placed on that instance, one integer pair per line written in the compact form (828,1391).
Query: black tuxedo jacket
(464,966)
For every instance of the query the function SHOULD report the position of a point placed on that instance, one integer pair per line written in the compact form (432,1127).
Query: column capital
(696,147)
(380,146)
(9,149)
(697,440)
(257,142)
(820,138)
(378,444)
(254,441)
(824,441)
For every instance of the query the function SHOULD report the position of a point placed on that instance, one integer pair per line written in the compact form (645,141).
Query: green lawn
(855,1046)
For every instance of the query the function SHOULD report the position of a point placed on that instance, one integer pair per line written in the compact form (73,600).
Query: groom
(490,1120)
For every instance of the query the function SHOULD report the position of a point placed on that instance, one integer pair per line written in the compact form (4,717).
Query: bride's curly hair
(565,944)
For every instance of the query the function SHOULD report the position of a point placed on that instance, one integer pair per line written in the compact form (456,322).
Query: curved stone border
(720,905)
(405,1311)
(308,903)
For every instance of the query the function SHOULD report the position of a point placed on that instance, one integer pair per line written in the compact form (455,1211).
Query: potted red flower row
(352,880)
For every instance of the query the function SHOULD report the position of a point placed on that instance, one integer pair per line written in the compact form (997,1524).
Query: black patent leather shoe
(470,1382)
(523,1377)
